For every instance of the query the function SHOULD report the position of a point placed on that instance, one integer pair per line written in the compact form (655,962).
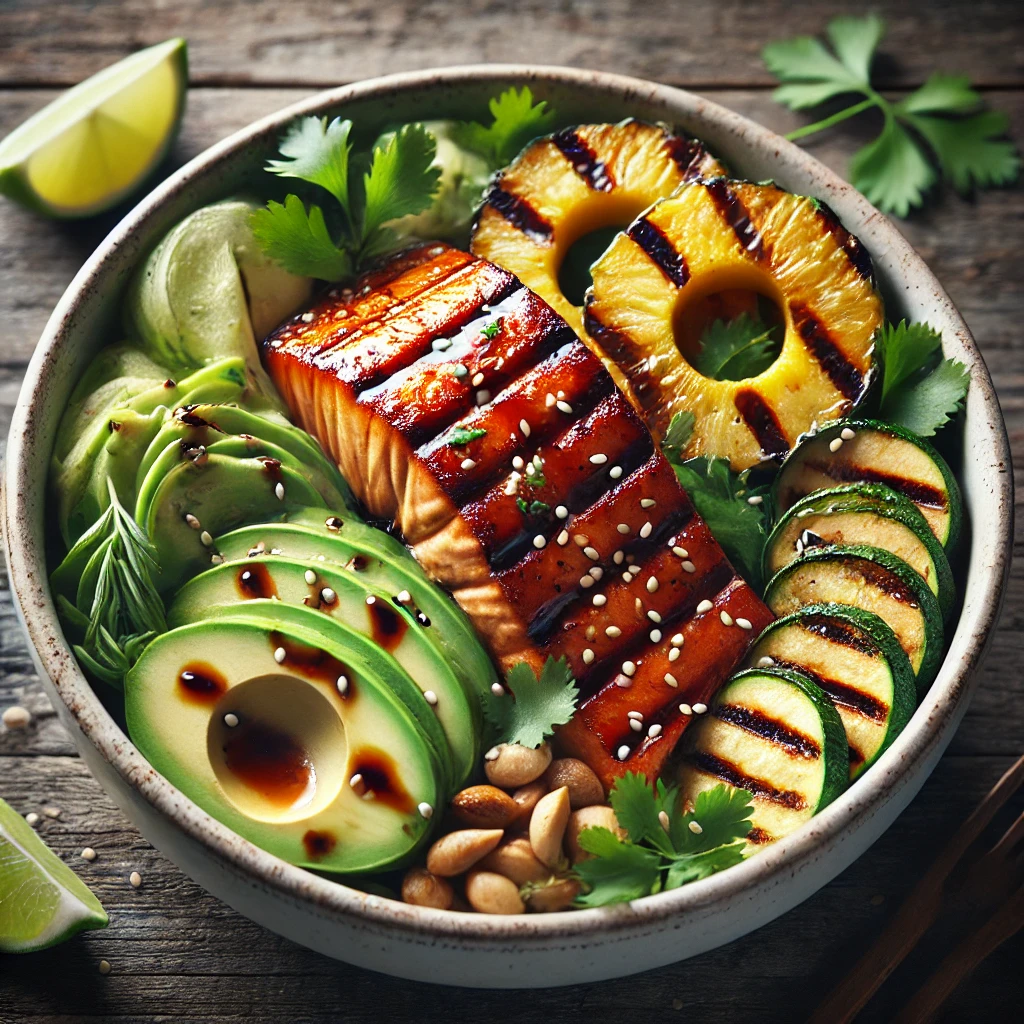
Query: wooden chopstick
(917,913)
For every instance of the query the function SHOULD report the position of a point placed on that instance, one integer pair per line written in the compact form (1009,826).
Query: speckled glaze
(469,949)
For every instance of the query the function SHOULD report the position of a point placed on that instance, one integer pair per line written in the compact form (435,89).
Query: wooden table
(180,955)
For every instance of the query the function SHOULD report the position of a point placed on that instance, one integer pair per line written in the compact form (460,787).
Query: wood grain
(177,953)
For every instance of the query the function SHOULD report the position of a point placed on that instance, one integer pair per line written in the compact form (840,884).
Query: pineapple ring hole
(724,294)
(574,272)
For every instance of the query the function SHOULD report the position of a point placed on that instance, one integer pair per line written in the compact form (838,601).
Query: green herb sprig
(536,705)
(666,847)
(941,129)
(737,349)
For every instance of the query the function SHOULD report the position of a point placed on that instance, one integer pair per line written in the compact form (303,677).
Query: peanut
(517,765)
(484,807)
(489,893)
(558,895)
(597,816)
(547,827)
(458,851)
(584,786)
(426,890)
(526,798)
(516,860)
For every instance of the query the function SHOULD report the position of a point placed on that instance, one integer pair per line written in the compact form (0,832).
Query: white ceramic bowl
(470,949)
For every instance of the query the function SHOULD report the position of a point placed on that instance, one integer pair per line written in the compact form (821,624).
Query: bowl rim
(23,502)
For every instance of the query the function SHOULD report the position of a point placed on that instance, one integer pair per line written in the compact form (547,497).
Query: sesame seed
(588,656)
(699,709)
(517,462)
(591,553)
(596,572)
(310,577)
(478,379)
(622,753)
(765,662)
(581,539)
(135,879)
(655,635)
(88,854)
(600,600)
(680,552)
(460,370)
(671,679)
(306,318)
(219,559)
(663,820)
(230,720)
(562,539)
(847,434)
(799,546)
(635,725)
(403,597)
(32,818)
(673,655)
(425,809)
(835,444)
(441,344)
(639,606)
(629,668)
(618,557)
(599,459)
(279,655)
(549,400)
(104,967)
(591,632)
(755,499)
(744,624)
(483,397)
(497,689)
(652,584)
(341,684)
(688,566)
(586,582)
(638,715)
(279,491)
(685,709)
(653,733)
(695,828)
(564,407)
(511,487)
(561,394)
(468,463)
(647,503)
(327,595)
(614,632)
(52,812)
(645,530)
(538,461)
(615,472)
(492,754)
(16,717)
(726,618)
(654,617)
(677,640)
(358,784)
(525,428)
(704,606)
(205,539)
(623,527)
(192,521)
(430,697)
(561,512)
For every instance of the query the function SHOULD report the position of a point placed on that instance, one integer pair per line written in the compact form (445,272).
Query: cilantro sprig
(666,847)
(401,179)
(737,349)
(516,119)
(920,390)
(536,705)
(941,130)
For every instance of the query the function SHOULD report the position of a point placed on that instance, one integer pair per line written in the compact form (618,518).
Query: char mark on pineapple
(660,250)
(859,257)
(584,160)
(736,215)
(520,214)
(763,423)
(848,380)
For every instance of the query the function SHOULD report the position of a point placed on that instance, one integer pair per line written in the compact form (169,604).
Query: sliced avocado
(383,562)
(337,602)
(182,505)
(208,290)
(290,740)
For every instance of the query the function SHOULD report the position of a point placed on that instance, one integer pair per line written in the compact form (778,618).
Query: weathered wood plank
(711,42)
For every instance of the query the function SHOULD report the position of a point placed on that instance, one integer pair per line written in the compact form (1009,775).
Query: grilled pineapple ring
(718,234)
(569,184)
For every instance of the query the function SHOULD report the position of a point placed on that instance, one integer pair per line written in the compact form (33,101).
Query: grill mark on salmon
(847,472)
(762,423)
(660,250)
(726,771)
(585,162)
(848,380)
(736,215)
(777,733)
(520,214)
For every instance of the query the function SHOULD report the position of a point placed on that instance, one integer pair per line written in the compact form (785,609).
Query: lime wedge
(42,901)
(91,146)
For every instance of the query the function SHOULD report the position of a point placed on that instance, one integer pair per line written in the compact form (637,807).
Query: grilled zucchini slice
(866,451)
(857,660)
(872,579)
(862,514)
(776,734)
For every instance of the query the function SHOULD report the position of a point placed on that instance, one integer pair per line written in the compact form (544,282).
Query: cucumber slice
(857,660)
(776,734)
(879,453)
(862,514)
(872,579)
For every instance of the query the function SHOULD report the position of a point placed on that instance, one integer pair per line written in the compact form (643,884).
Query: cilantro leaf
(516,120)
(701,865)
(490,331)
(636,809)
(738,526)
(920,390)
(723,814)
(678,434)
(299,241)
(736,349)
(941,126)
(462,435)
(317,152)
(535,706)
(402,177)
(618,871)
